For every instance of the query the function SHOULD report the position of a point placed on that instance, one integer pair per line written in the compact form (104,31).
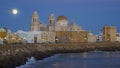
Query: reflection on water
(85,54)
(97,59)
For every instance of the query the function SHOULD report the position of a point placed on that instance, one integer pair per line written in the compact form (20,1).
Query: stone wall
(72,36)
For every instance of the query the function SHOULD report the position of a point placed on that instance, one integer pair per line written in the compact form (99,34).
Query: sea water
(93,59)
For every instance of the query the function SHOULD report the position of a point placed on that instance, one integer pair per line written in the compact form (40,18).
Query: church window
(50,21)
(33,19)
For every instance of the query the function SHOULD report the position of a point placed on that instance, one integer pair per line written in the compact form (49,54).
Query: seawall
(17,54)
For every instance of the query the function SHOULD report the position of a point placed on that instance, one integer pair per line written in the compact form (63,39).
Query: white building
(28,36)
(91,37)
(118,37)
(99,38)
(37,36)
(1,41)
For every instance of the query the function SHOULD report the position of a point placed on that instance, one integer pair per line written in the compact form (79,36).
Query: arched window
(33,19)
(50,21)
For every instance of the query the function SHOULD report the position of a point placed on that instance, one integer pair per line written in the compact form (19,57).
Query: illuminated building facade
(109,33)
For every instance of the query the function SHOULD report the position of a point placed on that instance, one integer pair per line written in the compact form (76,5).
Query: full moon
(14,11)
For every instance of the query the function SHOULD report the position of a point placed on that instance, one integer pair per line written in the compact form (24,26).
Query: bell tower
(35,21)
(51,22)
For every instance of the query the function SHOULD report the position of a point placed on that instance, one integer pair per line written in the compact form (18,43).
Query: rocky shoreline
(16,54)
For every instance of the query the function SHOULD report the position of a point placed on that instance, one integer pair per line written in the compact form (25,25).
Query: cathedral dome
(74,27)
(62,18)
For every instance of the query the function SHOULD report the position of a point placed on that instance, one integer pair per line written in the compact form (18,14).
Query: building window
(33,19)
(50,21)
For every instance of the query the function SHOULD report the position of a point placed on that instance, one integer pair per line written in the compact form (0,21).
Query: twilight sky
(89,14)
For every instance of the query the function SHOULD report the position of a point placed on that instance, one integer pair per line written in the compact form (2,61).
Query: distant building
(118,37)
(58,29)
(59,24)
(13,38)
(1,41)
(92,38)
(3,33)
(48,37)
(99,38)
(109,33)
(37,36)
(28,36)
(71,36)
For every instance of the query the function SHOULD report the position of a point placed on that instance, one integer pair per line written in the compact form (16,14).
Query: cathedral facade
(59,24)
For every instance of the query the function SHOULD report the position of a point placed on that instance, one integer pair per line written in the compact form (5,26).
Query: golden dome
(61,18)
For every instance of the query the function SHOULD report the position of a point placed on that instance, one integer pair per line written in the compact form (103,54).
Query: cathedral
(59,24)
